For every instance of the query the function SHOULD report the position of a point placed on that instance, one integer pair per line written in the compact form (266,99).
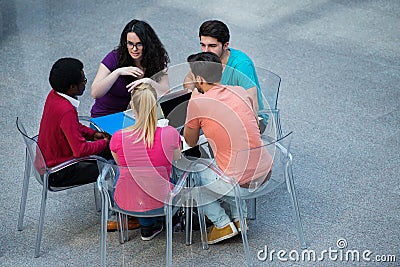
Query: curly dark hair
(155,57)
(64,73)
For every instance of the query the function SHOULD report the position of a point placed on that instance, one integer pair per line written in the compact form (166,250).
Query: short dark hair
(207,65)
(64,73)
(216,29)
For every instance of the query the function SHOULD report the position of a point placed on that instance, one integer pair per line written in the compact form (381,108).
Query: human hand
(189,86)
(131,71)
(189,82)
(133,84)
(197,91)
(101,135)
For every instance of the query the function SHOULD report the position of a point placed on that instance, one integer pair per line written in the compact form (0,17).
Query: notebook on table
(113,122)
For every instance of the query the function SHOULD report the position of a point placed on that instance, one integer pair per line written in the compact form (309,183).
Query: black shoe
(149,232)
(178,220)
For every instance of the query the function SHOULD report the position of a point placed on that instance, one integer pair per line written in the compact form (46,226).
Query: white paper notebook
(129,113)
(185,146)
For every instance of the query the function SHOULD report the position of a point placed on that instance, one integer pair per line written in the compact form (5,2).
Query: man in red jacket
(61,136)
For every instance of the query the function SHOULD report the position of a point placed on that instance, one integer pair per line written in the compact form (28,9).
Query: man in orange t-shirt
(227,119)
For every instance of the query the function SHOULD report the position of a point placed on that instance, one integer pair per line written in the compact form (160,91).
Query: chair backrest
(34,153)
(255,162)
(253,165)
(269,85)
(176,73)
(134,189)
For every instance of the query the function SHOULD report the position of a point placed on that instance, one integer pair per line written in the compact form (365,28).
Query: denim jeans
(214,191)
(149,221)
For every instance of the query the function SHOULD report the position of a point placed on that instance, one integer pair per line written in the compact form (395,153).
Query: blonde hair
(144,100)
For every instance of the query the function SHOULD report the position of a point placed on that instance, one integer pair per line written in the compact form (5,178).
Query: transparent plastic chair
(154,196)
(260,185)
(36,165)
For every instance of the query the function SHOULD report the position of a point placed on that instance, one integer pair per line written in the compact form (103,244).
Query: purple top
(117,98)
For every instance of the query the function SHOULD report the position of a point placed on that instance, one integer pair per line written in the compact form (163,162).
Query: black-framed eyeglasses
(138,45)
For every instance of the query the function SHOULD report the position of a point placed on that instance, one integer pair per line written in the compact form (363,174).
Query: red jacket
(61,136)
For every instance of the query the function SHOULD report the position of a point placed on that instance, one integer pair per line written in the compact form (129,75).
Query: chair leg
(24,196)
(103,234)
(126,228)
(242,221)
(168,223)
(122,227)
(97,198)
(188,222)
(199,202)
(188,207)
(42,214)
(203,230)
(296,211)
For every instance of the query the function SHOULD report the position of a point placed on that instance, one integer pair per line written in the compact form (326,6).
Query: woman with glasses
(140,57)
(140,145)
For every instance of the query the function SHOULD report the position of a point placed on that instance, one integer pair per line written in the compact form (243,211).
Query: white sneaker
(237,224)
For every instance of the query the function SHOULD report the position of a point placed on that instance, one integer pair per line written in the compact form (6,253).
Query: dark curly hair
(64,73)
(155,57)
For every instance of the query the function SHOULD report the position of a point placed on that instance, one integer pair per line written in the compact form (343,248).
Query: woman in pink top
(144,146)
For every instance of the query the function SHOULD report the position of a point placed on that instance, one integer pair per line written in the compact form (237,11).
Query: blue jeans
(149,221)
(214,191)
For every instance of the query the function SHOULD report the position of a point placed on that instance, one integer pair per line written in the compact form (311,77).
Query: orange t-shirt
(227,119)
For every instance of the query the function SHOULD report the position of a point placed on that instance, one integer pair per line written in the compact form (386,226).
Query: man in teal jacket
(238,70)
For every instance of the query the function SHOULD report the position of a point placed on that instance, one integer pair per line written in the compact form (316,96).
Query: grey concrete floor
(340,94)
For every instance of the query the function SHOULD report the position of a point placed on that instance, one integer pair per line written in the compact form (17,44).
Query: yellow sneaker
(218,234)
(237,224)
